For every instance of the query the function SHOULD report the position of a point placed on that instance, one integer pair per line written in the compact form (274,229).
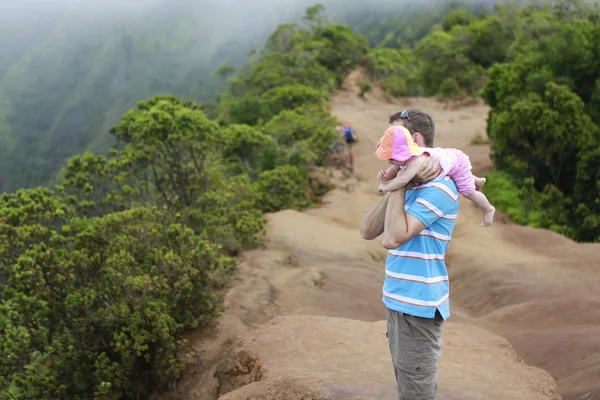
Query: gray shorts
(416,347)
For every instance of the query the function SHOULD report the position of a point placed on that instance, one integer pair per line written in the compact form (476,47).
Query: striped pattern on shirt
(416,278)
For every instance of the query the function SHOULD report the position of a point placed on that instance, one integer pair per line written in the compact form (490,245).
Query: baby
(397,146)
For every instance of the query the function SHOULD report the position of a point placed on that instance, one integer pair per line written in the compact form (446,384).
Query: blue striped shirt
(416,278)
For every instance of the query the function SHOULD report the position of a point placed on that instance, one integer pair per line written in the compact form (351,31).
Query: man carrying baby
(417,225)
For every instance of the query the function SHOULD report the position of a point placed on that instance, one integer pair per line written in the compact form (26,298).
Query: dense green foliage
(99,278)
(544,118)
(443,52)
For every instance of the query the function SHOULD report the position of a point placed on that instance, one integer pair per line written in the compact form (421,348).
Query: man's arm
(431,204)
(372,225)
(399,227)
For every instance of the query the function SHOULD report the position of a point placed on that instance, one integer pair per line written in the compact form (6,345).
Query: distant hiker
(417,225)
(349,137)
(397,144)
(348,134)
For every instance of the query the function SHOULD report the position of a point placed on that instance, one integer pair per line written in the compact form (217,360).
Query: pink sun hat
(397,144)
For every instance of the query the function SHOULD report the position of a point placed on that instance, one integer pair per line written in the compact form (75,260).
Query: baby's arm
(388,174)
(404,176)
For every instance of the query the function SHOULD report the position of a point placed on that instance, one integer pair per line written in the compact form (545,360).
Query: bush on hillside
(230,216)
(285,187)
(100,303)
(304,135)
(395,71)
(394,86)
(290,97)
(365,87)
(247,150)
(525,205)
(450,89)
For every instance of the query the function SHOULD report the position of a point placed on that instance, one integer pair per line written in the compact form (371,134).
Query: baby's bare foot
(488,217)
(479,182)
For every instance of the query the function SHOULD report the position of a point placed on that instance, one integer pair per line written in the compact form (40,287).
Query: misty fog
(23,21)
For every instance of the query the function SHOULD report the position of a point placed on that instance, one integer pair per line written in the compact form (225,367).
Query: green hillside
(100,278)
(67,89)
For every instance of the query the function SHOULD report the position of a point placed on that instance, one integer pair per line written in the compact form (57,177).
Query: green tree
(443,57)
(94,184)
(542,137)
(304,135)
(247,150)
(225,71)
(285,187)
(485,41)
(457,17)
(365,87)
(170,146)
(290,97)
(315,16)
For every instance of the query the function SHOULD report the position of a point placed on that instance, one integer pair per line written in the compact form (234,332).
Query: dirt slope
(304,318)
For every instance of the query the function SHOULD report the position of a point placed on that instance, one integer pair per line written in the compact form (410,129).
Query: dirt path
(305,317)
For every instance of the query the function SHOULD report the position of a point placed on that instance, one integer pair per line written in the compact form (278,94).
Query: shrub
(393,85)
(450,89)
(230,216)
(365,86)
(285,187)
(101,304)
(304,135)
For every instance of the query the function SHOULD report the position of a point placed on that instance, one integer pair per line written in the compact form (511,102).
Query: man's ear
(419,139)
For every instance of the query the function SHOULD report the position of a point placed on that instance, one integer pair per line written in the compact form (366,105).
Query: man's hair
(418,121)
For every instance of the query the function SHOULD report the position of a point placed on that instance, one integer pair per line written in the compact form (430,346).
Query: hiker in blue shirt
(349,138)
(417,225)
(348,134)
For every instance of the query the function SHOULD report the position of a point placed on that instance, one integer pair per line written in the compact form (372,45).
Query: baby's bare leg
(479,182)
(482,202)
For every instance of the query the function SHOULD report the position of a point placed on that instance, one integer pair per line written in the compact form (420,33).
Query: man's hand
(428,171)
